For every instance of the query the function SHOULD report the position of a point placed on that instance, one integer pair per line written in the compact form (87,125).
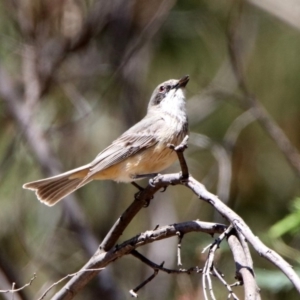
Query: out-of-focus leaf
(274,281)
(287,224)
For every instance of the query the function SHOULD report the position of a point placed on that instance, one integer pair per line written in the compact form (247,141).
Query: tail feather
(53,189)
(68,188)
(50,189)
(47,187)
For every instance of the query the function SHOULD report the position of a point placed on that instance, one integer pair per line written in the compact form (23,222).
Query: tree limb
(242,227)
(244,271)
(101,258)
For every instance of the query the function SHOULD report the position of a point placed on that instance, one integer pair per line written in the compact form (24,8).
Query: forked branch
(105,256)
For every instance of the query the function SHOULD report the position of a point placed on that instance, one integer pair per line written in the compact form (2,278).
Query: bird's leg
(140,188)
(141,176)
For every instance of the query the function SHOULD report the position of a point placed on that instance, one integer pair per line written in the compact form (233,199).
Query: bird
(141,151)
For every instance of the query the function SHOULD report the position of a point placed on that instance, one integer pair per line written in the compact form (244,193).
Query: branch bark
(102,258)
(242,227)
(244,271)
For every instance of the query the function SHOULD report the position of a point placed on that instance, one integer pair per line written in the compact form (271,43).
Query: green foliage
(289,224)
(273,280)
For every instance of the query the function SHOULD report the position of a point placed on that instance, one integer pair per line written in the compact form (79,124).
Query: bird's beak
(182,82)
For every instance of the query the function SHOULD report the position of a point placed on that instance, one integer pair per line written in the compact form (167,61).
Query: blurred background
(76,74)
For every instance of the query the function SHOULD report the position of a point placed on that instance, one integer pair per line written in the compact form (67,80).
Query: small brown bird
(140,151)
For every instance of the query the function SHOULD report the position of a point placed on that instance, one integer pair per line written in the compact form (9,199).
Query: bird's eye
(161,88)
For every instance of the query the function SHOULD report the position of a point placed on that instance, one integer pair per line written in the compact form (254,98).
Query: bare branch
(180,237)
(209,263)
(179,151)
(64,278)
(241,227)
(144,196)
(133,292)
(13,290)
(161,268)
(220,277)
(244,271)
(245,246)
(102,258)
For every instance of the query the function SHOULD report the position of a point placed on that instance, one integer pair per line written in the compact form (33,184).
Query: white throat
(174,103)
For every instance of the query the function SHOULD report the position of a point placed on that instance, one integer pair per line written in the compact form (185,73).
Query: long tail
(53,189)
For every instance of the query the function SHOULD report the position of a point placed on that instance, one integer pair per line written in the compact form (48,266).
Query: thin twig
(209,263)
(64,278)
(237,283)
(154,266)
(134,291)
(228,286)
(13,290)
(102,258)
(179,151)
(246,249)
(214,245)
(204,285)
(144,196)
(180,237)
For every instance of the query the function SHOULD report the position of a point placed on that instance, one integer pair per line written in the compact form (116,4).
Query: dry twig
(209,263)
(102,258)
(179,151)
(13,290)
(229,287)
(134,291)
(180,237)
(64,278)
(161,268)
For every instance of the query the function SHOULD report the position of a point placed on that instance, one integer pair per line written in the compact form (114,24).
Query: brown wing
(137,138)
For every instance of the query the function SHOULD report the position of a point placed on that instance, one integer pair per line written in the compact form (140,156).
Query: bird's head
(169,95)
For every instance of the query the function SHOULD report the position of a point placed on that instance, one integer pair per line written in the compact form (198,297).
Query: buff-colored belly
(152,160)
